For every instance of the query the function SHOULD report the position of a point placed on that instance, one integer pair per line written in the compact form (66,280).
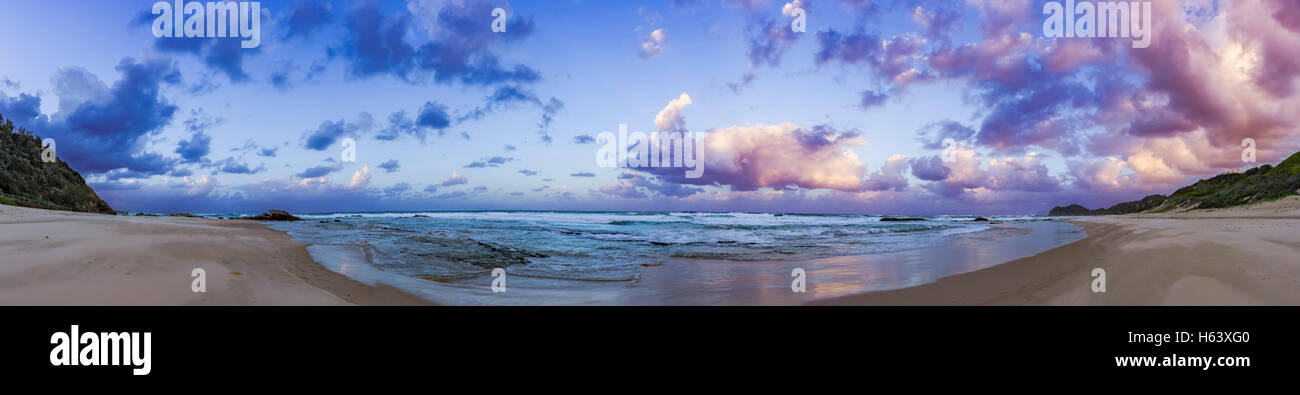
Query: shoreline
(68,258)
(672,281)
(1237,256)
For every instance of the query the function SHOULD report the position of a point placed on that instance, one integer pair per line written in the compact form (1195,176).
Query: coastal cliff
(26,180)
(1262,183)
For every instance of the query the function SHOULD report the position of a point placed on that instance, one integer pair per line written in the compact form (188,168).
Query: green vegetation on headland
(1259,184)
(26,180)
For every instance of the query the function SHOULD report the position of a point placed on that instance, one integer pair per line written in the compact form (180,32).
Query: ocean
(656,258)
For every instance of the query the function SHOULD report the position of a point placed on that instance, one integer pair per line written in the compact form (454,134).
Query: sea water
(563,257)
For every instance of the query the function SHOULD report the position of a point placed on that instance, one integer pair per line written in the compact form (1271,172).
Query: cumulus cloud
(967,176)
(360,179)
(1100,174)
(777,156)
(101,129)
(897,61)
(930,168)
(1174,110)
(222,56)
(932,136)
(320,171)
(489,162)
(459,49)
(766,39)
(233,166)
(195,148)
(330,132)
(890,176)
(938,21)
(455,179)
(634,186)
(654,43)
(433,116)
(670,118)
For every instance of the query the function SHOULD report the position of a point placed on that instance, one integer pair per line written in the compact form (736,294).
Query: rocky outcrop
(473,252)
(274,215)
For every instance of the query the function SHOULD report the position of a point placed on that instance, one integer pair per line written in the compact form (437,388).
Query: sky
(849,115)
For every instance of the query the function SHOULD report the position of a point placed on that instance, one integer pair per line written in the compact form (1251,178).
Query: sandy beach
(64,258)
(1238,256)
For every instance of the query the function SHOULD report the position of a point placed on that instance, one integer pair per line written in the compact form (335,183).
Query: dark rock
(909,219)
(420,216)
(981,219)
(473,252)
(186,215)
(274,215)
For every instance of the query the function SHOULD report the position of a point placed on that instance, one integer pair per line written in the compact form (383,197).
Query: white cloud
(654,43)
(670,117)
(360,179)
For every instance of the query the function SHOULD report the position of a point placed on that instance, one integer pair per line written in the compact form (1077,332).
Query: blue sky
(200,125)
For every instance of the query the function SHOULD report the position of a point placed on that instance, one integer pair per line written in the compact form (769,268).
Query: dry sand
(61,258)
(1239,256)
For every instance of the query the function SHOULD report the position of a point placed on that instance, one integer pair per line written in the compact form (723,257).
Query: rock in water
(274,215)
